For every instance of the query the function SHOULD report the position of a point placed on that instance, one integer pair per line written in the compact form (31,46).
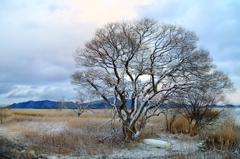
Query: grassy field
(50,131)
(56,112)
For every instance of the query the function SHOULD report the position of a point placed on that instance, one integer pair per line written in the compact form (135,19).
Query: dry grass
(80,136)
(8,150)
(42,112)
(80,122)
(4,114)
(223,140)
(180,125)
(150,131)
(66,142)
(211,113)
(86,139)
(75,136)
(157,119)
(96,113)
(225,135)
(20,128)
(104,113)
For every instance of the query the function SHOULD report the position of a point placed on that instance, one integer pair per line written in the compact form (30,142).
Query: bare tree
(80,106)
(139,60)
(197,105)
(84,102)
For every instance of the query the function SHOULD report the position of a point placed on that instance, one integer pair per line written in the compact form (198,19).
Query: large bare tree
(141,60)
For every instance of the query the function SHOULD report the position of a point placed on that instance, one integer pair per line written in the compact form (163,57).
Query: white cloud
(234,98)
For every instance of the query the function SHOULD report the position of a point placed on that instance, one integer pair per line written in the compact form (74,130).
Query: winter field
(33,133)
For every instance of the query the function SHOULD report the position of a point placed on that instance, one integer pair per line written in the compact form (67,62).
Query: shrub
(3,115)
(224,136)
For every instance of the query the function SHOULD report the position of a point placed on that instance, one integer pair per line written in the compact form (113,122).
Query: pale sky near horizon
(38,38)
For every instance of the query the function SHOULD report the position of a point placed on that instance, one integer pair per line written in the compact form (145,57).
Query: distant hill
(47,104)
(98,104)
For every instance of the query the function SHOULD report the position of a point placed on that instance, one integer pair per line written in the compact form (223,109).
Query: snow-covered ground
(180,143)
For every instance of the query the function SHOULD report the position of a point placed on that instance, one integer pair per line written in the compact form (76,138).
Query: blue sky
(38,38)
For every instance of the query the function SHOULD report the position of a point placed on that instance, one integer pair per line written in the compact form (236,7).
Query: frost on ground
(49,127)
(11,135)
(40,136)
(183,144)
(179,143)
(142,150)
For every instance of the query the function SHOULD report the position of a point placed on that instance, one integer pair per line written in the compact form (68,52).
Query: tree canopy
(145,61)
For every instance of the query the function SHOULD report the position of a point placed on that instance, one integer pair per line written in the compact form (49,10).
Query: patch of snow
(180,143)
(158,143)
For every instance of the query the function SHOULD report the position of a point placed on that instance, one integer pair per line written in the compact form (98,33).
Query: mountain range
(47,104)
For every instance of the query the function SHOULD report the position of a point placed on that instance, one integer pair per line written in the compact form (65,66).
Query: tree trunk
(129,132)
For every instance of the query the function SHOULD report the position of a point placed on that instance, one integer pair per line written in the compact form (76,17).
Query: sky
(39,37)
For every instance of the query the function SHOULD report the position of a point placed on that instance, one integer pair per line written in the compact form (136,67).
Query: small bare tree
(80,106)
(84,102)
(140,60)
(197,106)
